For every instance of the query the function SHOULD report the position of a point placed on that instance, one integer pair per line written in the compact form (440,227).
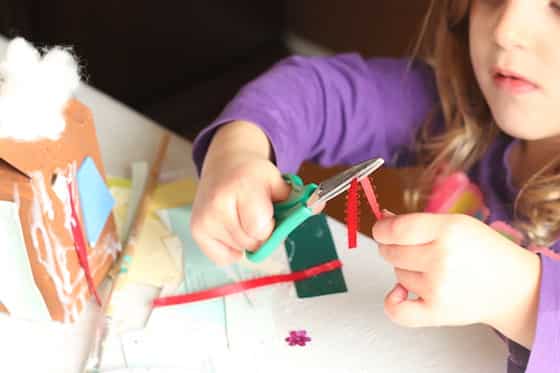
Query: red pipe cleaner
(238,287)
(81,247)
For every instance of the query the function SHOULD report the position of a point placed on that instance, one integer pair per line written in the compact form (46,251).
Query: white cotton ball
(34,90)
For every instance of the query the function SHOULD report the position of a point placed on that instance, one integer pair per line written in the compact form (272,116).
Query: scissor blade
(340,182)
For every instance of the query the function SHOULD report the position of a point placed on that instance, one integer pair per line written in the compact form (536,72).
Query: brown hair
(468,124)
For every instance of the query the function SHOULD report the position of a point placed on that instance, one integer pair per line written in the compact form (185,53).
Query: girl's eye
(555,6)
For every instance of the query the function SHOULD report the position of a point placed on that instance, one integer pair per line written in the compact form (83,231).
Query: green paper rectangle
(309,245)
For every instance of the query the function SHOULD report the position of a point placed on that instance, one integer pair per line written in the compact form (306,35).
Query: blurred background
(179,62)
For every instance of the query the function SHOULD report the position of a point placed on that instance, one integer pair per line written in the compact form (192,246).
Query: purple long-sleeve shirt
(345,109)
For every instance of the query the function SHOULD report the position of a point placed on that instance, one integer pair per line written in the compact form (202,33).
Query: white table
(350,331)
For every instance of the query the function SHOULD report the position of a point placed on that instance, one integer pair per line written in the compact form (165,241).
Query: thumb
(406,312)
(254,205)
(279,189)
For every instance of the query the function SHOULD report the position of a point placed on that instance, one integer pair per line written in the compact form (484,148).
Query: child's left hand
(462,271)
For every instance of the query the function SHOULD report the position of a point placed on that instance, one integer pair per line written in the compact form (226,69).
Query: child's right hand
(233,207)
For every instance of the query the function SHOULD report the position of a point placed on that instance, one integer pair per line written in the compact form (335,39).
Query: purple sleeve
(545,353)
(332,110)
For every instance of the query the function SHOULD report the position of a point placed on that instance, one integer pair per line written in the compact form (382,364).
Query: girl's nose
(513,28)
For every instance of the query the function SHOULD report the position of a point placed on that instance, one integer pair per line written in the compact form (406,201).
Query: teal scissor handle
(288,215)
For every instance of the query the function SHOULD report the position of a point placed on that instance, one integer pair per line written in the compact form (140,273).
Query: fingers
(398,307)
(216,237)
(279,189)
(254,204)
(406,312)
(412,281)
(397,295)
(218,251)
(410,257)
(237,239)
(235,213)
(408,229)
(254,213)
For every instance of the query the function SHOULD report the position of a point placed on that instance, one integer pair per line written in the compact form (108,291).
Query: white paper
(18,291)
(139,178)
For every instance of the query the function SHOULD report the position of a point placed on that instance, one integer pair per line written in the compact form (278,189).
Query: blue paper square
(95,199)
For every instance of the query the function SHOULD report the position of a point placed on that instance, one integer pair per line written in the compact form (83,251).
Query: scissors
(305,199)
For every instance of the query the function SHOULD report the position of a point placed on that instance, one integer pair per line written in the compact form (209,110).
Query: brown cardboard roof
(48,155)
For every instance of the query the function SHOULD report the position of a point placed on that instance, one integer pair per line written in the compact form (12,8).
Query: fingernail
(399,293)
(387,213)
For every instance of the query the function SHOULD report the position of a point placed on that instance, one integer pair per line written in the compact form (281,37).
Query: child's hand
(233,206)
(462,271)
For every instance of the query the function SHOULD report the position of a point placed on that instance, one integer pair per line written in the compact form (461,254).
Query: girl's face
(515,53)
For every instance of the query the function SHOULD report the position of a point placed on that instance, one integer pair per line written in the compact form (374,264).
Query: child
(486,102)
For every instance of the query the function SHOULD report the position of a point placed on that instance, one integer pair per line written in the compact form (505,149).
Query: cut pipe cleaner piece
(352,214)
(298,338)
(238,287)
(371,198)
(80,246)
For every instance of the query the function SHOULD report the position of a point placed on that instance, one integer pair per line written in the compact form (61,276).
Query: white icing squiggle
(38,229)
(111,245)
(55,256)
(65,177)
(46,203)
(16,198)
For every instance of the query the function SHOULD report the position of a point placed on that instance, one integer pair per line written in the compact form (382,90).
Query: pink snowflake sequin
(298,338)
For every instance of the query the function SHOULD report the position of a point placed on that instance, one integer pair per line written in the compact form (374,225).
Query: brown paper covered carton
(29,171)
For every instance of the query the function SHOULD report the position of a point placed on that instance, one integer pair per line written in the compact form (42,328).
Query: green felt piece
(309,245)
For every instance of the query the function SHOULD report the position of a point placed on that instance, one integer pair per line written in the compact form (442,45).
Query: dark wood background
(180,62)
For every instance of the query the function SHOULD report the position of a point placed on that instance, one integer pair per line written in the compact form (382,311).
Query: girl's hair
(468,127)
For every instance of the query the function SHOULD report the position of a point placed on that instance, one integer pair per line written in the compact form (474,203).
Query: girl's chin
(527,134)
(518,130)
(519,125)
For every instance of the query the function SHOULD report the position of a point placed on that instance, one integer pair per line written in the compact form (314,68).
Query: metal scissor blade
(340,182)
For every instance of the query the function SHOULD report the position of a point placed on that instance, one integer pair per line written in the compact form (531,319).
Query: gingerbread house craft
(58,237)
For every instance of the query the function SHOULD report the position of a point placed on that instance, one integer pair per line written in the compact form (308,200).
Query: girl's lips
(513,83)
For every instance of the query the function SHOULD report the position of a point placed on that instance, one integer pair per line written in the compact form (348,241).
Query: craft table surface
(350,331)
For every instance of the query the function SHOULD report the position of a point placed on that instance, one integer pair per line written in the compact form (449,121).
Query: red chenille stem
(352,214)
